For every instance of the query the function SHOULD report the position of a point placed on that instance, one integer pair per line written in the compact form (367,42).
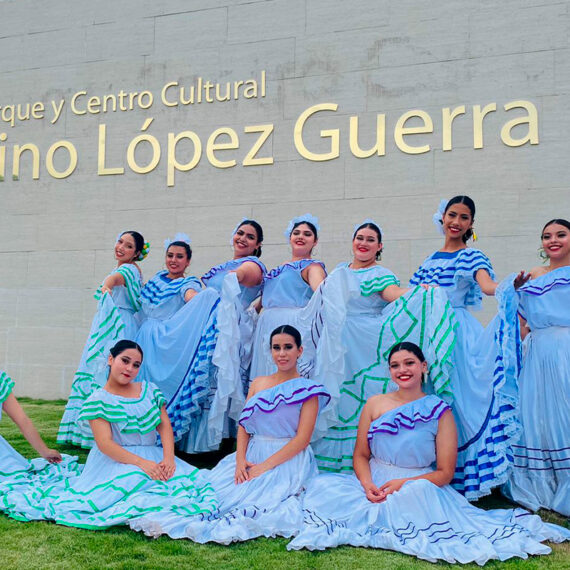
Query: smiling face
(456,221)
(406,370)
(302,241)
(176,261)
(125,249)
(285,351)
(556,241)
(124,366)
(245,241)
(365,245)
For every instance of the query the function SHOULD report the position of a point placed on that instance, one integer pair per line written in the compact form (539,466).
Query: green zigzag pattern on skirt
(421,316)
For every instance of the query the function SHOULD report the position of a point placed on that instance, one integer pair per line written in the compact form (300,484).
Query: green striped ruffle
(132,279)
(128,414)
(377,285)
(6,385)
(108,330)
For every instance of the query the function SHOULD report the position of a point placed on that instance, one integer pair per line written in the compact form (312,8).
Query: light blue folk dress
(352,332)
(541,473)
(18,473)
(421,519)
(109,493)
(483,380)
(212,394)
(267,505)
(285,293)
(172,329)
(114,320)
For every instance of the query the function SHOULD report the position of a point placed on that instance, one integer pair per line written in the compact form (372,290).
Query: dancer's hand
(373,493)
(105,289)
(256,469)
(242,473)
(392,486)
(521,279)
(152,469)
(52,456)
(168,467)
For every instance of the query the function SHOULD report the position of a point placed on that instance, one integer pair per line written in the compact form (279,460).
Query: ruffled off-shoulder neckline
(294,391)
(407,416)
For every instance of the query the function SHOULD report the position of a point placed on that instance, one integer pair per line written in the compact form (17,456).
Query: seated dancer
(400,498)
(287,288)
(127,475)
(15,470)
(258,486)
(118,300)
(483,379)
(541,471)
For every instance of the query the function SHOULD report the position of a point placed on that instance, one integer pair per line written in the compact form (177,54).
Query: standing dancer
(400,498)
(173,326)
(541,472)
(127,475)
(118,300)
(286,289)
(483,386)
(358,314)
(258,486)
(212,394)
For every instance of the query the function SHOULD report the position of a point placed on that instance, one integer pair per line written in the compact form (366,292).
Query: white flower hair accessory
(438,217)
(177,237)
(300,219)
(367,221)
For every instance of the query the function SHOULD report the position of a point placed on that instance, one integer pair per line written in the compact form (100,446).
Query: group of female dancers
(406,405)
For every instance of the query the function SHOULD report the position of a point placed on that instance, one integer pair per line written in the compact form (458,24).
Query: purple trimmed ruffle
(299,265)
(230,265)
(295,391)
(401,420)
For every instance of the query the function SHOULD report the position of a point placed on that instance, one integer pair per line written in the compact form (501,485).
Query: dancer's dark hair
(410,347)
(123,345)
(183,244)
(287,329)
(311,227)
(375,228)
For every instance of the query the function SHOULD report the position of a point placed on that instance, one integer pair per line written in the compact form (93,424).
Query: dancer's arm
(249,274)
(164,428)
(446,453)
(190,294)
(307,420)
(15,411)
(484,280)
(113,280)
(242,464)
(104,438)
(361,457)
(314,275)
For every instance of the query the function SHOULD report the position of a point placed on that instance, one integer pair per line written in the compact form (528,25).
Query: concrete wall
(369,57)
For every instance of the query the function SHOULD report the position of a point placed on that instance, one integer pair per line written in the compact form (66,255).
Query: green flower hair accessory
(144,251)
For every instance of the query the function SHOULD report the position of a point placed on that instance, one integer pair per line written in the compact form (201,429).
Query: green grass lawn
(46,545)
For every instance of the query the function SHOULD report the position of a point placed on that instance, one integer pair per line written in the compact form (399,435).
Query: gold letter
(478,116)
(18,150)
(72,159)
(93,104)
(38,110)
(56,110)
(74,99)
(3,137)
(400,131)
(250,158)
(163,98)
(102,170)
(379,147)
(333,134)
(155,150)
(213,146)
(531,120)
(447,119)
(173,164)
